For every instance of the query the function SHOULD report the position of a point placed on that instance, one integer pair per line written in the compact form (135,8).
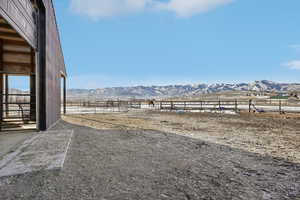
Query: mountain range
(182,90)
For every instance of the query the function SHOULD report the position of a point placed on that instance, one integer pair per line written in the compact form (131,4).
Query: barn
(30,47)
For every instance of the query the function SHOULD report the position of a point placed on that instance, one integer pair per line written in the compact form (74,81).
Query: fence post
(280,111)
(160,105)
(236,106)
(250,103)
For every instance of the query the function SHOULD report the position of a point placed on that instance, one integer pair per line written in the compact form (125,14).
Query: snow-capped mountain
(182,90)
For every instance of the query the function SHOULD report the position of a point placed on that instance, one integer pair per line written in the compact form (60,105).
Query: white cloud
(294,64)
(188,8)
(97,9)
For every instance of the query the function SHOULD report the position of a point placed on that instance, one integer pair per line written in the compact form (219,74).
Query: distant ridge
(182,90)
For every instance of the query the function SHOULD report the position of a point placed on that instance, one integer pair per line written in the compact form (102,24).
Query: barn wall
(54,66)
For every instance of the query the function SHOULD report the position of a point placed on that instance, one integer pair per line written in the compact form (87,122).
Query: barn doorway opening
(17,81)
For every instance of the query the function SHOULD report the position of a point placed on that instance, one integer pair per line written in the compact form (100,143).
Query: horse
(151,103)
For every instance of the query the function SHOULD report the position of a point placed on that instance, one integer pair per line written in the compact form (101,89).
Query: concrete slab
(9,141)
(45,151)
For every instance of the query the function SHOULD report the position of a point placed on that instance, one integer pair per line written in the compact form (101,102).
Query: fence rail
(259,106)
(17,110)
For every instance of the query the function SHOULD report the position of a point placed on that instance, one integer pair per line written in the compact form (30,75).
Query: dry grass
(270,134)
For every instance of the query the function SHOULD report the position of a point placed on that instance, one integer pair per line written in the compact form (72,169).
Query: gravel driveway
(142,164)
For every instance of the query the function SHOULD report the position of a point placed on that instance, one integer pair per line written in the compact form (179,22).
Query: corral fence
(259,106)
(87,107)
(17,110)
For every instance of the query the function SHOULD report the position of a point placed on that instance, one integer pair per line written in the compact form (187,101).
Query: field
(266,134)
(169,155)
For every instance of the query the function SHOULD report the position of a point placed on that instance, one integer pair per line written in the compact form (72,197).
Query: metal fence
(17,110)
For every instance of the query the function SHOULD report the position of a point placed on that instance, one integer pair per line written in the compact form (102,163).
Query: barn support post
(1,84)
(32,87)
(6,95)
(32,98)
(41,69)
(1,100)
(65,95)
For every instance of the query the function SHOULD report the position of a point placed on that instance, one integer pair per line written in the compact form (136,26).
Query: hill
(182,90)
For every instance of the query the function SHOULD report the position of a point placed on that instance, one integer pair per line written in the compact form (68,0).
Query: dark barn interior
(30,47)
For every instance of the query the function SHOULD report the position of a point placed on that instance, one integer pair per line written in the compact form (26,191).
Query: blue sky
(110,43)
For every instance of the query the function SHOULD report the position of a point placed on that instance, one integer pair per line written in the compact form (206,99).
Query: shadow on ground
(145,164)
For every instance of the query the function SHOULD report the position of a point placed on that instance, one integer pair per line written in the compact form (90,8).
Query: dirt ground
(170,156)
(273,135)
(122,162)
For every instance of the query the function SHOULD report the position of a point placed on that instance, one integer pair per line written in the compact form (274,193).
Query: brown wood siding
(20,14)
(54,66)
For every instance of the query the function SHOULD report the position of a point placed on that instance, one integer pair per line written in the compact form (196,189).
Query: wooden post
(250,103)
(1,101)
(236,106)
(280,110)
(6,96)
(33,88)
(65,95)
(1,84)
(41,71)
(32,98)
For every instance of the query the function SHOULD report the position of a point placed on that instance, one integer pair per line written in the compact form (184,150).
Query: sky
(111,43)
